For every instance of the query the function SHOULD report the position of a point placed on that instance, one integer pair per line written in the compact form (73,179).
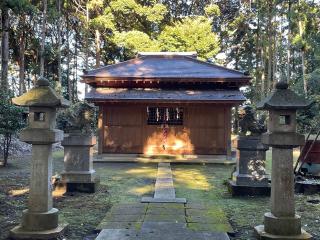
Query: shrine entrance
(165,129)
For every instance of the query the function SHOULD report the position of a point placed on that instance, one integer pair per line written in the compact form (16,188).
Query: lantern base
(38,225)
(81,181)
(262,235)
(247,190)
(20,233)
(82,187)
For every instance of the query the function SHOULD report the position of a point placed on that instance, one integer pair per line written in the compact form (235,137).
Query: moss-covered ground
(206,184)
(127,183)
(83,212)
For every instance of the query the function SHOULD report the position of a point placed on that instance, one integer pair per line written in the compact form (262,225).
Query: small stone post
(40,220)
(250,177)
(79,174)
(282,222)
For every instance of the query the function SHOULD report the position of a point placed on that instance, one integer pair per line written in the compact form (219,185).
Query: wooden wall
(124,129)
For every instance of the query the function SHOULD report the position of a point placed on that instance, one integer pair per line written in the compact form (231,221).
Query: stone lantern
(40,220)
(282,222)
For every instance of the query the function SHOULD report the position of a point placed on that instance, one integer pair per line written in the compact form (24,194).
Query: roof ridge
(193,54)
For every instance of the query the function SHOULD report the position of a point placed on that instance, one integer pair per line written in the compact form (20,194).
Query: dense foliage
(80,117)
(11,121)
(272,40)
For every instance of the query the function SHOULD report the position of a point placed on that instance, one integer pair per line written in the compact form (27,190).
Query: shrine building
(165,103)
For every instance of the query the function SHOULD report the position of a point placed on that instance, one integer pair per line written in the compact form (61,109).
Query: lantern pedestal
(36,225)
(282,222)
(263,235)
(40,220)
(250,177)
(79,175)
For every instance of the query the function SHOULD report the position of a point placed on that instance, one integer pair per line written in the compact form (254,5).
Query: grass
(127,183)
(83,212)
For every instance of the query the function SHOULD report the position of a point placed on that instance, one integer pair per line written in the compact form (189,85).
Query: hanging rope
(164,136)
(165,129)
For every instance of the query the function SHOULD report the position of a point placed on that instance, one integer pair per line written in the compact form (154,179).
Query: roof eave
(95,100)
(92,79)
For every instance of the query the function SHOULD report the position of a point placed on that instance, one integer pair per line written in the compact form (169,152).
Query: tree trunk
(98,51)
(263,77)
(305,82)
(258,54)
(274,60)
(21,61)
(236,120)
(68,57)
(270,45)
(59,84)
(5,49)
(43,36)
(6,147)
(75,77)
(87,45)
(302,53)
(289,43)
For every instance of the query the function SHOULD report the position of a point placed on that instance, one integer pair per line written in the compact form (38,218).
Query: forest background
(58,39)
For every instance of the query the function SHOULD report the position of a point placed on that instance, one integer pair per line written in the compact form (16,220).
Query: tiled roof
(123,94)
(165,66)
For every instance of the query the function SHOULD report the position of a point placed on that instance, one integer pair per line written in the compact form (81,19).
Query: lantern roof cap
(42,95)
(283,98)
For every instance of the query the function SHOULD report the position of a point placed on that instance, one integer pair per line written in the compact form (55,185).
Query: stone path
(163,221)
(164,189)
(164,217)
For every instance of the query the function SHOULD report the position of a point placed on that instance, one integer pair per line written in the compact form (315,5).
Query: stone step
(159,231)
(163,200)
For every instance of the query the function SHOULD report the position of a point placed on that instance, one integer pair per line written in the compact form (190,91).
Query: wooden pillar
(228,131)
(101,129)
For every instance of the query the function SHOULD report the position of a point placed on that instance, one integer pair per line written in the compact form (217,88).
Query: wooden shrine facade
(165,103)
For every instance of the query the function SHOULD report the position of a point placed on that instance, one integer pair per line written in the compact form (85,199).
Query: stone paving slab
(204,219)
(118,225)
(181,234)
(165,218)
(164,184)
(165,192)
(163,200)
(215,236)
(172,231)
(164,164)
(124,218)
(128,211)
(166,205)
(118,234)
(162,226)
(164,211)
(162,221)
(129,206)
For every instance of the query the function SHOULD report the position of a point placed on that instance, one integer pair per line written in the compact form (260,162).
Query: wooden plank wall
(124,129)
